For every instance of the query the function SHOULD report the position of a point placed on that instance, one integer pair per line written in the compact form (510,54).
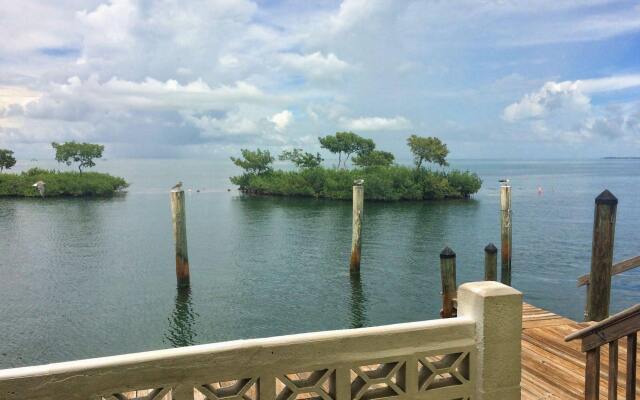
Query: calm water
(87,278)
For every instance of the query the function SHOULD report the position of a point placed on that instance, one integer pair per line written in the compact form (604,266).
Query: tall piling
(180,236)
(505,232)
(356,237)
(448,274)
(490,263)
(599,289)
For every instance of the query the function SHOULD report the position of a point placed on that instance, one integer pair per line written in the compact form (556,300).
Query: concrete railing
(473,356)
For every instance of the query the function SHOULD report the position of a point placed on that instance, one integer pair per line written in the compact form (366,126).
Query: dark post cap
(491,248)
(447,253)
(606,197)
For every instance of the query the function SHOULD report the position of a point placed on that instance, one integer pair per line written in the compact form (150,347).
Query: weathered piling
(505,232)
(180,236)
(599,289)
(448,273)
(356,237)
(490,263)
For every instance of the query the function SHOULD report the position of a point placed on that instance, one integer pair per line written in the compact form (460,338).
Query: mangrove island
(385,180)
(38,182)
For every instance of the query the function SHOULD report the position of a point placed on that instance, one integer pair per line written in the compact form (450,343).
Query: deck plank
(553,368)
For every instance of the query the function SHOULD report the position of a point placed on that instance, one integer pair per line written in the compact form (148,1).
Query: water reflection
(358,300)
(182,321)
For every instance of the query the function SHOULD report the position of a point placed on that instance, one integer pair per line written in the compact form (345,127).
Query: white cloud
(552,97)
(233,123)
(315,65)
(150,94)
(282,119)
(352,12)
(109,24)
(608,84)
(564,110)
(10,95)
(376,123)
(189,73)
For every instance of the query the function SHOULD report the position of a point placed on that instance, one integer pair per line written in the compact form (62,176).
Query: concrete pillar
(497,310)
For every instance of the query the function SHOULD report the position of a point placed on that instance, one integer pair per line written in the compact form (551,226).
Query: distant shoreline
(621,158)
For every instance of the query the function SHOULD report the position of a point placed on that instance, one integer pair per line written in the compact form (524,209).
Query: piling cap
(606,197)
(447,253)
(491,248)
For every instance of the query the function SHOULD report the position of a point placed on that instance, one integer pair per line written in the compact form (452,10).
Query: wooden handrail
(617,268)
(609,331)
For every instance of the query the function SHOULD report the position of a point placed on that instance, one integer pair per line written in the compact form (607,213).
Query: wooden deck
(554,369)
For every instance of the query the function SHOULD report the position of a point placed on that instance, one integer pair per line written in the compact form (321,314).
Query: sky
(205,78)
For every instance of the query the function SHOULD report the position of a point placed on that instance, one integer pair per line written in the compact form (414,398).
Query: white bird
(358,182)
(177,186)
(40,186)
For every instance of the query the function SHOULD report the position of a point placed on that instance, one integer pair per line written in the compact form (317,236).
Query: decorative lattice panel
(443,370)
(448,374)
(376,381)
(316,385)
(240,389)
(146,394)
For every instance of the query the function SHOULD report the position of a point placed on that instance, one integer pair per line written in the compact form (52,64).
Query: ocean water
(94,277)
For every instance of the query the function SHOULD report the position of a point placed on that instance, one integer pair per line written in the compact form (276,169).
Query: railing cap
(489,289)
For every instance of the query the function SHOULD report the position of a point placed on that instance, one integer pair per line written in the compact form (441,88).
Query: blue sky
(493,79)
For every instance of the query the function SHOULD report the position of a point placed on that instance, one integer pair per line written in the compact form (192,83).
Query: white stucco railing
(474,356)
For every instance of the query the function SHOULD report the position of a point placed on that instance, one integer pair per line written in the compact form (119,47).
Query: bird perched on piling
(40,186)
(358,182)
(504,181)
(177,186)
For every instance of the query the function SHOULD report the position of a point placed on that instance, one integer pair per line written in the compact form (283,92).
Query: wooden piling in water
(448,273)
(505,233)
(490,263)
(180,236)
(356,237)
(599,289)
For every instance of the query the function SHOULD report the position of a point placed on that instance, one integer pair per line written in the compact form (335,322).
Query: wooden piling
(490,263)
(180,236)
(448,273)
(599,288)
(505,233)
(356,237)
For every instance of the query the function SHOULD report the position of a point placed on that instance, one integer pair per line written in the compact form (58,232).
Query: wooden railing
(609,331)
(617,268)
(473,356)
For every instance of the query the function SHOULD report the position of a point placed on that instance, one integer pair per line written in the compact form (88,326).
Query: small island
(38,182)
(384,180)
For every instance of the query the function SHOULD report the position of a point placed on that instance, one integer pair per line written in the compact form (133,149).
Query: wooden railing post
(599,289)
(497,310)
(179,220)
(505,232)
(592,375)
(490,263)
(448,273)
(356,237)
(609,331)
(613,370)
(632,350)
